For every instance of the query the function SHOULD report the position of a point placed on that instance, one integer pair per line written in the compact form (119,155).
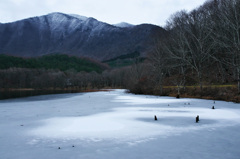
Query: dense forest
(202,49)
(198,57)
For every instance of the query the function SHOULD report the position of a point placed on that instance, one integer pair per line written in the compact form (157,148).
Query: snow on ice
(118,125)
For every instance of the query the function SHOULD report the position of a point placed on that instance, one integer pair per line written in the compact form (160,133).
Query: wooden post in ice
(155,117)
(213,107)
(197,119)
(178,96)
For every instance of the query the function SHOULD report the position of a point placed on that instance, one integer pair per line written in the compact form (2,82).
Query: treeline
(18,82)
(202,48)
(49,74)
(54,61)
(15,78)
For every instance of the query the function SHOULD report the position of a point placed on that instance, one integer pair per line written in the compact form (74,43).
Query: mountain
(75,35)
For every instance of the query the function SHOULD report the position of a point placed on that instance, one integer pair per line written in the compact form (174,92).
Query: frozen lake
(115,124)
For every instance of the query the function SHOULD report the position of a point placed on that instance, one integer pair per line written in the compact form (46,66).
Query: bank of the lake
(26,92)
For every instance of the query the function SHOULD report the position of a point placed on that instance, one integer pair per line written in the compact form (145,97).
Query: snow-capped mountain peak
(123,25)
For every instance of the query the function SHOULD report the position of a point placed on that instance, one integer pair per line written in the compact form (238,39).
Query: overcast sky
(110,11)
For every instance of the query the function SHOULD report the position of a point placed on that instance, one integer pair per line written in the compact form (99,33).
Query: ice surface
(123,123)
(117,125)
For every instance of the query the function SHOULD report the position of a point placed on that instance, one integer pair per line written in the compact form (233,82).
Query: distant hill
(76,35)
(125,60)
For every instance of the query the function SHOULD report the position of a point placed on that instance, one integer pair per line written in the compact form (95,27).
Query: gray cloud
(110,11)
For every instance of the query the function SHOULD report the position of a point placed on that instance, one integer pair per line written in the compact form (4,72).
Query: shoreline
(13,93)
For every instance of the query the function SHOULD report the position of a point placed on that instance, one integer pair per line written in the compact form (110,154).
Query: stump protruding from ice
(178,96)
(59,147)
(213,107)
(155,117)
(197,119)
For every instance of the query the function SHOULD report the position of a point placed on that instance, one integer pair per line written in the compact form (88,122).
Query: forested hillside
(55,61)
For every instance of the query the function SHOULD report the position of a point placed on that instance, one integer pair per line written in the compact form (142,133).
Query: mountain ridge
(75,35)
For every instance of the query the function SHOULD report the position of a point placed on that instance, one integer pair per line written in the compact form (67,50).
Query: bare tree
(158,65)
(176,47)
(193,43)
(227,34)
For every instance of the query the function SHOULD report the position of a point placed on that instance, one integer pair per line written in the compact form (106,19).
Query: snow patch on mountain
(83,18)
(62,24)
